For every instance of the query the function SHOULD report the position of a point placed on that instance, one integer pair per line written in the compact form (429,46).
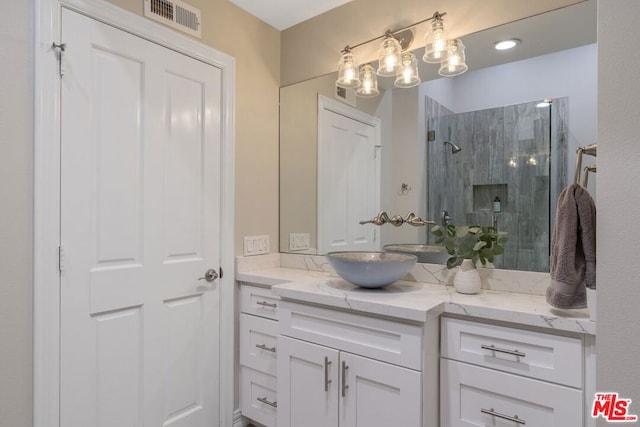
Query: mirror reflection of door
(348,177)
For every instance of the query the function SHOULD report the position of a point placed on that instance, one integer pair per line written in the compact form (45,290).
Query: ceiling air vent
(174,13)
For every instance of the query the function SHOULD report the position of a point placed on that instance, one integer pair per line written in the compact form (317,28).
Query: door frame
(46,238)
(328,104)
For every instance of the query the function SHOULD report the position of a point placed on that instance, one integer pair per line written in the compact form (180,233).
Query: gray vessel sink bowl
(371,269)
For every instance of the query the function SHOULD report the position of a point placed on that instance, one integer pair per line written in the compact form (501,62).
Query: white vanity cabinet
(258,354)
(498,375)
(340,369)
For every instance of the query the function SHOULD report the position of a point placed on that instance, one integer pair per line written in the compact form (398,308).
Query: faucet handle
(379,219)
(416,221)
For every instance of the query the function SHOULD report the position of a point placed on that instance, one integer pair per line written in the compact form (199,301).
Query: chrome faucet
(445,218)
(383,218)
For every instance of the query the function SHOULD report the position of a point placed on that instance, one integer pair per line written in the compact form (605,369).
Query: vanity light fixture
(369,86)
(389,56)
(506,44)
(408,75)
(435,41)
(348,72)
(396,60)
(455,63)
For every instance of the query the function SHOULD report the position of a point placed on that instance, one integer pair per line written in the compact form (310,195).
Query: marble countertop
(417,301)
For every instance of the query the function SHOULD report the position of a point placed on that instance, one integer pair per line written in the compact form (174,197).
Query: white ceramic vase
(467,279)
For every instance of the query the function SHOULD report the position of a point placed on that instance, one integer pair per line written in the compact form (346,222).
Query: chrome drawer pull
(503,350)
(327,381)
(344,378)
(264,347)
(267,304)
(264,400)
(493,413)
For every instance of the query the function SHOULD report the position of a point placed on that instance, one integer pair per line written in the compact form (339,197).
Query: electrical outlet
(298,241)
(256,245)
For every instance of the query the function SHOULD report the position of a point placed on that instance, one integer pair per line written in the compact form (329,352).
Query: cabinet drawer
(259,301)
(533,354)
(380,339)
(258,343)
(476,396)
(258,397)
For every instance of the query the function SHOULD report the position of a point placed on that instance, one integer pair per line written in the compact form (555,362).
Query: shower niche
(515,154)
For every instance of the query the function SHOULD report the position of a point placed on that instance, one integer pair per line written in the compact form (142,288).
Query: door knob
(210,275)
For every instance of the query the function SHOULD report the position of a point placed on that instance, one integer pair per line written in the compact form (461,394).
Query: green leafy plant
(474,242)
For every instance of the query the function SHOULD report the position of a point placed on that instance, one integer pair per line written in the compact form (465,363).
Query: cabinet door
(307,384)
(377,394)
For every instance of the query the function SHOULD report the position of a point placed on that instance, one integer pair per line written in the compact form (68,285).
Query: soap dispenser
(497,205)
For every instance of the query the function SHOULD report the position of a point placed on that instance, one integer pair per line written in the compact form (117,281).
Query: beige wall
(256,47)
(313,47)
(16,218)
(618,342)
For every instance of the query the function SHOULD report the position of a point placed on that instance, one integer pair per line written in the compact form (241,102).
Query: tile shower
(516,154)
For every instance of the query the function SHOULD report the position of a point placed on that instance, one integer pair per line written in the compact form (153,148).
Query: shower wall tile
(509,148)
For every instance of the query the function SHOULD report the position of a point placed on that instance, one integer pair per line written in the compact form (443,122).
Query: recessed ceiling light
(506,44)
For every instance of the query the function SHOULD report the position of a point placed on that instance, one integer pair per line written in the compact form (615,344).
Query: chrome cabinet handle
(210,275)
(266,304)
(503,350)
(264,347)
(327,381)
(493,413)
(264,400)
(344,378)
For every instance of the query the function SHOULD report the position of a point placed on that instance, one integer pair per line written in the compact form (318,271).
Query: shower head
(454,148)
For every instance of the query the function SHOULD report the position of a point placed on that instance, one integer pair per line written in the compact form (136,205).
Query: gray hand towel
(573,250)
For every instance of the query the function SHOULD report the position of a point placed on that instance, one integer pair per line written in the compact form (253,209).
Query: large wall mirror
(449,144)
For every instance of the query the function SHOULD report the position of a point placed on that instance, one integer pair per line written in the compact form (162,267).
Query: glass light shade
(369,86)
(348,73)
(389,57)
(435,42)
(408,75)
(455,63)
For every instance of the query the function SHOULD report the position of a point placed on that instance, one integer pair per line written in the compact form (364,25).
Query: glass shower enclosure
(501,166)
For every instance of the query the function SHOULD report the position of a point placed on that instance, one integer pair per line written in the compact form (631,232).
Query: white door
(348,177)
(140,214)
(378,394)
(308,384)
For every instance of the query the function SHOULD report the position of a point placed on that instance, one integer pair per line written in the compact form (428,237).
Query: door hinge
(221,273)
(61,258)
(59,48)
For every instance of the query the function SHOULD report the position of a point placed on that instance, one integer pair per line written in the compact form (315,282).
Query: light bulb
(439,45)
(406,74)
(390,62)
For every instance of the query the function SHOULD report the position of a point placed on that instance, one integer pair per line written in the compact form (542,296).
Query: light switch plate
(256,245)
(298,241)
